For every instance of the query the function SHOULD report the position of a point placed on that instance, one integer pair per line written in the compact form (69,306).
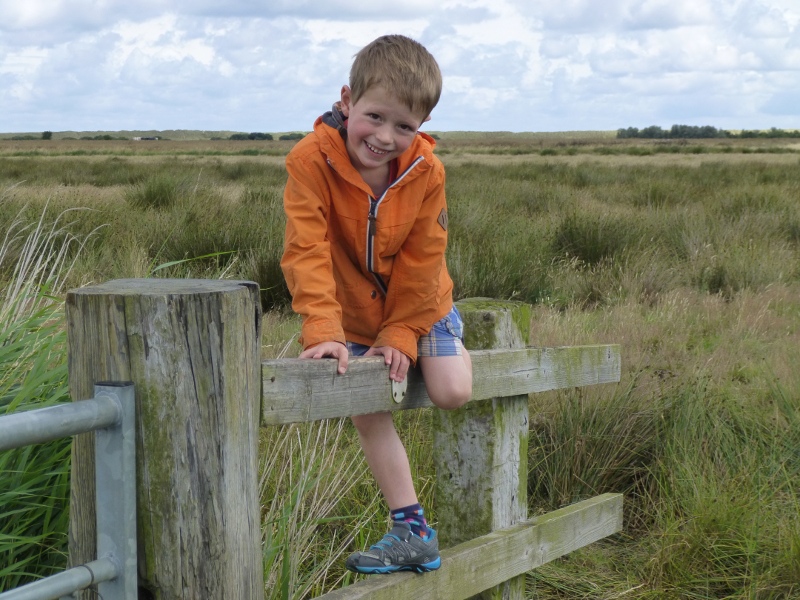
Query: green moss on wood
(480,321)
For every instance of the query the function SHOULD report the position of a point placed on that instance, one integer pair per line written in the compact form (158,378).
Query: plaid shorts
(444,338)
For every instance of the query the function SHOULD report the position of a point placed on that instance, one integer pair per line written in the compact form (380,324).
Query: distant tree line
(251,136)
(701,131)
(46,135)
(266,136)
(772,132)
(103,136)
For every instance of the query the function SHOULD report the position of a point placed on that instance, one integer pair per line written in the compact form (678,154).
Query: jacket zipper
(372,226)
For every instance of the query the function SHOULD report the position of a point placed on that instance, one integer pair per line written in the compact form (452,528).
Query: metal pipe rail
(47,424)
(62,585)
(110,414)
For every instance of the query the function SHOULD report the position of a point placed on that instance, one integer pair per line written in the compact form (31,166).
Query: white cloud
(20,62)
(508,64)
(754,19)
(668,14)
(161,40)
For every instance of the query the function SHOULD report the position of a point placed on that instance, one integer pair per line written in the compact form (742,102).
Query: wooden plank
(474,566)
(295,390)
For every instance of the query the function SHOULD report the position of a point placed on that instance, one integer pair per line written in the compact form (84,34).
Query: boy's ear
(347,97)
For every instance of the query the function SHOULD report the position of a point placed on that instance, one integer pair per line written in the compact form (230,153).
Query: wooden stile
(480,451)
(191,348)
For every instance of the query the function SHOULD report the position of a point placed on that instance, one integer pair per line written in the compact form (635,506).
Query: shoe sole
(423,568)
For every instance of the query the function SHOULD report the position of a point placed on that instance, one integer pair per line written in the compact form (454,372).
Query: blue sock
(414,516)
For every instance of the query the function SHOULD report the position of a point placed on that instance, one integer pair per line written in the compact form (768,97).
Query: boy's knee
(454,396)
(448,380)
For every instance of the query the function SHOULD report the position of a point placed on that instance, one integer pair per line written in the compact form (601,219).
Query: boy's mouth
(375,150)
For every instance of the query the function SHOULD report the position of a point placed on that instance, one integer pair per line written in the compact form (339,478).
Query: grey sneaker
(398,550)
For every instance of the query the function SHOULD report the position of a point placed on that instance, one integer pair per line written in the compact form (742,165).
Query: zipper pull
(371,218)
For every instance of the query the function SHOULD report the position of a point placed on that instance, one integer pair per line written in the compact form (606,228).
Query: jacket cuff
(316,333)
(400,338)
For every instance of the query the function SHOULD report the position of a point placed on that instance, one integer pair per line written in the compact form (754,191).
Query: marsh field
(686,253)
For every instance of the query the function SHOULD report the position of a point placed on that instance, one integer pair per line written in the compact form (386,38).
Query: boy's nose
(384,135)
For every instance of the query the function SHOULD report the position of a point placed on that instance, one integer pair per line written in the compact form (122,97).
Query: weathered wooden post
(481,450)
(191,348)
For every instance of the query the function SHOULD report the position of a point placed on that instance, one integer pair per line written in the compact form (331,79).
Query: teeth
(374,149)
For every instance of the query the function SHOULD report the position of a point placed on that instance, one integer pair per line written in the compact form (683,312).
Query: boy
(364,261)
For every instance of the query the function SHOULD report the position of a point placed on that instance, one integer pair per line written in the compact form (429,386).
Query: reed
(34,487)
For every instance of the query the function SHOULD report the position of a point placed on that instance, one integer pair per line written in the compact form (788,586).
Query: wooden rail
(296,390)
(191,347)
(497,557)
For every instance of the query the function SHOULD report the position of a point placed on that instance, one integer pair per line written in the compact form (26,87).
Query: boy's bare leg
(448,379)
(387,458)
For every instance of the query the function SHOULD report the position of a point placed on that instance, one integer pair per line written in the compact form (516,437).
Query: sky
(508,65)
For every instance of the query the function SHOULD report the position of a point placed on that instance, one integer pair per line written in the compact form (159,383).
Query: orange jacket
(336,277)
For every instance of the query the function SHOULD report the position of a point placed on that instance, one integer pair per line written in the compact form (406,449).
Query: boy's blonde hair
(403,67)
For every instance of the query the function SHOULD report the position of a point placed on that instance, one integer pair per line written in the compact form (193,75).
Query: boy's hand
(397,361)
(331,349)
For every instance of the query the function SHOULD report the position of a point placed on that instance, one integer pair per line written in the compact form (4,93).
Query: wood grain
(191,348)
(296,390)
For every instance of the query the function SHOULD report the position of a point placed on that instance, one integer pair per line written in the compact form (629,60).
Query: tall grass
(590,232)
(35,480)
(306,524)
(34,488)
(730,513)
(701,436)
(693,267)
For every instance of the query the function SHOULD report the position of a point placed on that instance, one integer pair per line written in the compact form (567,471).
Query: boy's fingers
(342,361)
(404,367)
(332,350)
(400,363)
(397,361)
(314,352)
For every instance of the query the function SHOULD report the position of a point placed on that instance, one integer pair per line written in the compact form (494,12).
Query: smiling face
(379,129)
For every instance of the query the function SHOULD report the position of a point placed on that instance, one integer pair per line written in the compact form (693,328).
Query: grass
(35,482)
(33,374)
(726,526)
(701,436)
(686,255)
(307,518)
